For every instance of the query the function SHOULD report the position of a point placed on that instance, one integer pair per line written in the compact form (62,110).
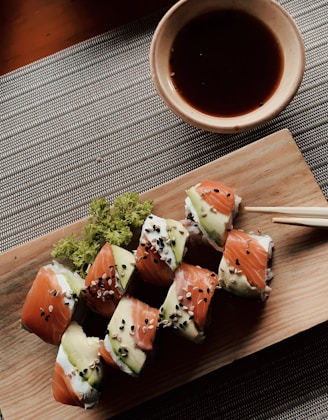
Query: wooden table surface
(32,29)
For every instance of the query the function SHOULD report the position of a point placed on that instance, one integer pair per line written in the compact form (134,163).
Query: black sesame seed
(205,299)
(200,290)
(237,261)
(155,260)
(42,313)
(146,320)
(81,374)
(216,190)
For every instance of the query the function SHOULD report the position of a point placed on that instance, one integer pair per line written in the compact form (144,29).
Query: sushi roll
(51,302)
(78,369)
(211,207)
(244,268)
(108,278)
(186,306)
(161,249)
(130,336)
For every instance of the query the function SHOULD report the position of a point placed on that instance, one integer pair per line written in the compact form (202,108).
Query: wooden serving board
(269,172)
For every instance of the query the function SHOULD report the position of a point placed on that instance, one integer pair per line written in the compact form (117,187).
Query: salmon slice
(78,371)
(48,308)
(247,256)
(62,388)
(145,320)
(151,267)
(102,289)
(217,195)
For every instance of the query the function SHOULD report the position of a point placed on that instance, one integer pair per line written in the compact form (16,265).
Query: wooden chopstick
(302,221)
(321,212)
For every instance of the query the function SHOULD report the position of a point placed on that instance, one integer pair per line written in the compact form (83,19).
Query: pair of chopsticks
(301,216)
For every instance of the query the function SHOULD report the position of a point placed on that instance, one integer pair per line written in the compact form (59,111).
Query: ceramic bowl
(282,26)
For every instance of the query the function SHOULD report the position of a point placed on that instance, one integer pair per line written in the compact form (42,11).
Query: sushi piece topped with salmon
(211,207)
(51,302)
(161,249)
(186,306)
(130,336)
(244,269)
(78,369)
(108,278)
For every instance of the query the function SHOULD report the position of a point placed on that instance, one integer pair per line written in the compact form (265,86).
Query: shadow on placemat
(280,382)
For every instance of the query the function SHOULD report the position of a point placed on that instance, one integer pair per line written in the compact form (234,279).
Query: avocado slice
(119,341)
(125,265)
(83,354)
(178,235)
(173,315)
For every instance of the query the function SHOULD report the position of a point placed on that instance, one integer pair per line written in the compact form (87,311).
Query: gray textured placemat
(87,122)
(279,383)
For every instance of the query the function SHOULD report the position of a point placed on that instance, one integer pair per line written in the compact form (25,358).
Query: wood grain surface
(33,29)
(269,172)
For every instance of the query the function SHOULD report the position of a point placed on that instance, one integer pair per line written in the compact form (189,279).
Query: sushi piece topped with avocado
(186,306)
(130,336)
(211,207)
(161,248)
(78,369)
(52,302)
(108,278)
(244,269)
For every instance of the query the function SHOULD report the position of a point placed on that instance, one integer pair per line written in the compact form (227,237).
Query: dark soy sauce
(226,63)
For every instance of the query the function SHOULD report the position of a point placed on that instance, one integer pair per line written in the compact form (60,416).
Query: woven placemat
(279,383)
(87,122)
